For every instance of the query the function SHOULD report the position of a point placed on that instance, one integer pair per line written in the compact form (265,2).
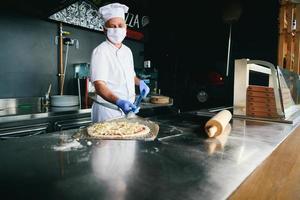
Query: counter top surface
(278,177)
(180,164)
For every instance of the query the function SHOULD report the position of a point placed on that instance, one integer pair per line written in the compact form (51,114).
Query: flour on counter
(73,145)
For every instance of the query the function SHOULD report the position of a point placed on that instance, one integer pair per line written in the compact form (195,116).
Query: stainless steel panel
(25,130)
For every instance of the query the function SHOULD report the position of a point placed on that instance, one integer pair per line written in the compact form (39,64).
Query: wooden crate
(260,102)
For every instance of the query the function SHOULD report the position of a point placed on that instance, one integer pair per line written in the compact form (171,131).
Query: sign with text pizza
(86,15)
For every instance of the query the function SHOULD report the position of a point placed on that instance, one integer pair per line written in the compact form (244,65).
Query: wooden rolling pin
(218,143)
(216,125)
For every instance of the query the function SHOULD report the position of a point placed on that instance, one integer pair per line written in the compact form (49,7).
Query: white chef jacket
(115,67)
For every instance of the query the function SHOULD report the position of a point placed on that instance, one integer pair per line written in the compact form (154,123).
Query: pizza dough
(117,130)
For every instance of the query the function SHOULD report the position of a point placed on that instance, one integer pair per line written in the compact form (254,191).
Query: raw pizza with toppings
(118,130)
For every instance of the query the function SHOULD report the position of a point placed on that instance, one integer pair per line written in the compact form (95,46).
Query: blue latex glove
(144,86)
(136,110)
(126,106)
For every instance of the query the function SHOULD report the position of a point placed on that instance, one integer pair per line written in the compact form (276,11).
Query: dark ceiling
(39,8)
(45,8)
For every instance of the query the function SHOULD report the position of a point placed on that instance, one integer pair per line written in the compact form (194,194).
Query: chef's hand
(126,106)
(144,86)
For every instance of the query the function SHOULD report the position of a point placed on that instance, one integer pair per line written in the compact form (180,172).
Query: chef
(112,67)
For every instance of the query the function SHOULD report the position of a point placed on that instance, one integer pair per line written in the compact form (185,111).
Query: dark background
(186,42)
(191,44)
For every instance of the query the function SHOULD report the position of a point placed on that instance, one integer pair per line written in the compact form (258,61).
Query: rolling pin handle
(212,131)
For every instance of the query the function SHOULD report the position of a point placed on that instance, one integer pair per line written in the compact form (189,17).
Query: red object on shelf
(134,34)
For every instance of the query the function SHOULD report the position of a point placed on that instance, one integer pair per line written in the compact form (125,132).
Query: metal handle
(139,99)
(108,105)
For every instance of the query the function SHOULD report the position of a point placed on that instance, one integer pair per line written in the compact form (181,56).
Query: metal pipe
(60,67)
(228,51)
(79,92)
(64,70)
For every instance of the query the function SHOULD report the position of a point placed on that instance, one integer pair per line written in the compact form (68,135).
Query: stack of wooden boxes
(261,102)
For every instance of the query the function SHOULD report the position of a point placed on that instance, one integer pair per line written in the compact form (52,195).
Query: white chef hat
(113,10)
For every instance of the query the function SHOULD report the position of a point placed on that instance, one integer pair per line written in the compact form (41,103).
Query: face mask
(116,35)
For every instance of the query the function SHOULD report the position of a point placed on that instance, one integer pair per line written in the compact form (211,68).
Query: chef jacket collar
(113,46)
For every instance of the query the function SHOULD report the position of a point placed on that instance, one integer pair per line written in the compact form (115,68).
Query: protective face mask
(116,35)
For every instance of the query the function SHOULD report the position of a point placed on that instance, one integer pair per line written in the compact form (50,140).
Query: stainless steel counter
(34,112)
(25,119)
(181,164)
(31,115)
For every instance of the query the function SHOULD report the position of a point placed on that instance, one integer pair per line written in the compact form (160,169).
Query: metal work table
(34,120)
(17,114)
(20,116)
(181,164)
